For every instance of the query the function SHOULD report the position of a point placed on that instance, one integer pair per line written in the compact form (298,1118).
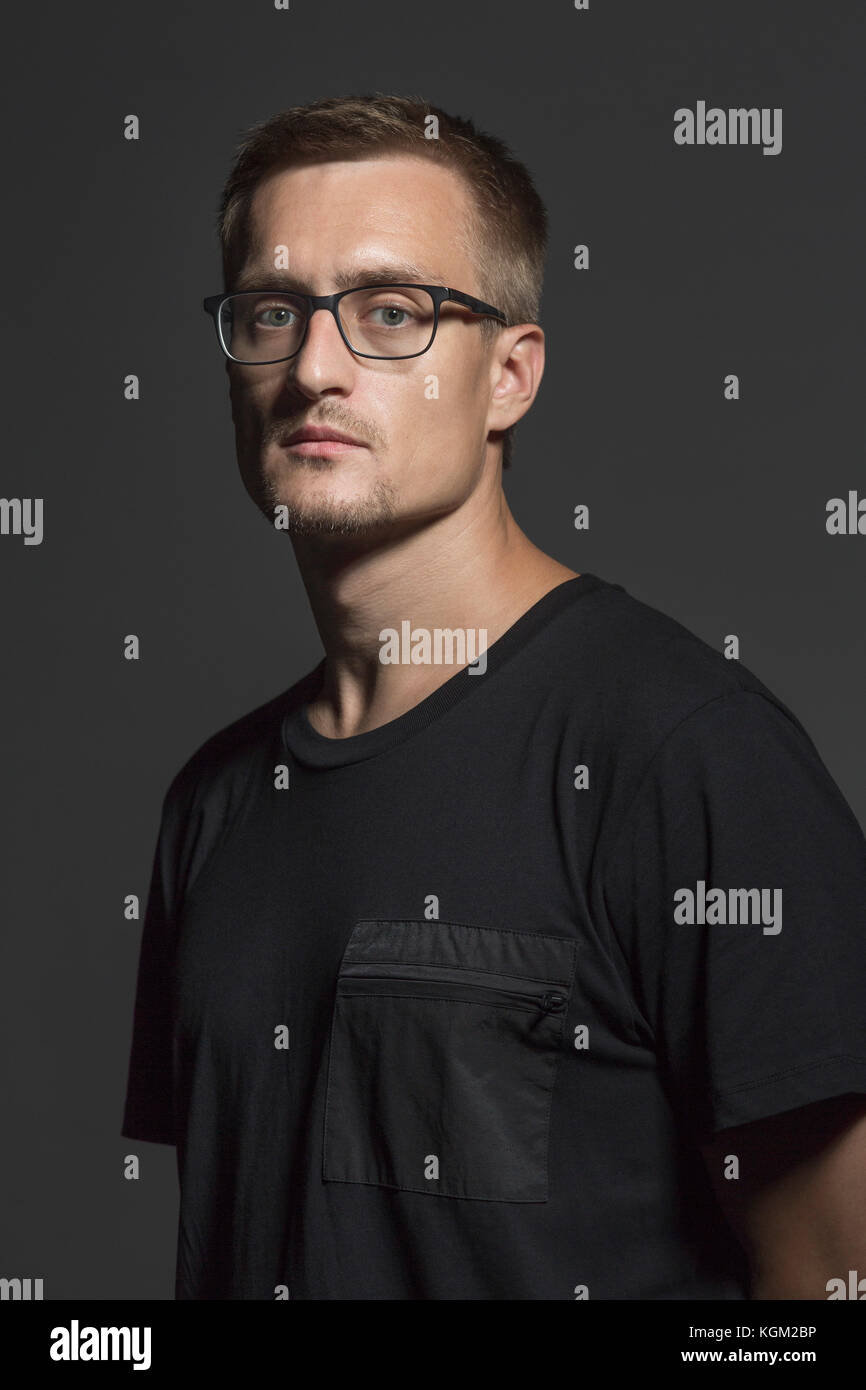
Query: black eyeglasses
(258,327)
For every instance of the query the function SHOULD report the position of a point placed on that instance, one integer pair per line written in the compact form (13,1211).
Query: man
(535,975)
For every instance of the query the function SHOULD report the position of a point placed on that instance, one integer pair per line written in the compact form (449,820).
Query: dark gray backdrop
(703,262)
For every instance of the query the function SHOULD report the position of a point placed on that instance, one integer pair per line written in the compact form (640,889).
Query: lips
(316,434)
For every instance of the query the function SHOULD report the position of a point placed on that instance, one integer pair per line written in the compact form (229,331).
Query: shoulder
(650,673)
(653,702)
(225,757)
(207,793)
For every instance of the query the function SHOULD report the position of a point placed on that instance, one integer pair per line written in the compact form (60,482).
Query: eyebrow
(390,272)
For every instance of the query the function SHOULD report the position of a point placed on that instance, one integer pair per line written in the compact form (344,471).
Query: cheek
(251,397)
(256,405)
(446,400)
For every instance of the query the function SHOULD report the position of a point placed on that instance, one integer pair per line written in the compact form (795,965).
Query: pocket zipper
(549,1000)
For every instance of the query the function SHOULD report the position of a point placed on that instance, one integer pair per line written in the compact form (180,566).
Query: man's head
(349,186)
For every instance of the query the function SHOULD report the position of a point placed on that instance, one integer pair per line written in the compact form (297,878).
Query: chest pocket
(444,1047)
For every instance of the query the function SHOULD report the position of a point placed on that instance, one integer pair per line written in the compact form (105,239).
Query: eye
(275,316)
(394,315)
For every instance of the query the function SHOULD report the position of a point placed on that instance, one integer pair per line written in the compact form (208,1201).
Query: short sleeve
(148,1110)
(736,889)
(202,803)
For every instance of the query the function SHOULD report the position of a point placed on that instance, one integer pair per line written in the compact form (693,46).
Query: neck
(471,569)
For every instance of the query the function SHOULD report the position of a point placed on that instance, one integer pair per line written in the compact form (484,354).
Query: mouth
(319,439)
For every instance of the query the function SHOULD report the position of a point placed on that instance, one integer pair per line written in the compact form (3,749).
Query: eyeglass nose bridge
(330,302)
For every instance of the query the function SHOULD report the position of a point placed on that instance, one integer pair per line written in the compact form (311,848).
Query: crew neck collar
(313,749)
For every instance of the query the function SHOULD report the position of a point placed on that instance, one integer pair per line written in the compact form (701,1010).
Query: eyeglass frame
(438,293)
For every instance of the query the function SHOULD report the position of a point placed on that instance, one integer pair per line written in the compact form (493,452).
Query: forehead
(349,214)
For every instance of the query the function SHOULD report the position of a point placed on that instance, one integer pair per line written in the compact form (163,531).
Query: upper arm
(757,1020)
(793,1187)
(737,893)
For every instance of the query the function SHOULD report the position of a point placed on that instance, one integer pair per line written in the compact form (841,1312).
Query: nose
(324,362)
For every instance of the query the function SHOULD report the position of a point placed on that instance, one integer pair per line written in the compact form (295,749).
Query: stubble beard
(324,516)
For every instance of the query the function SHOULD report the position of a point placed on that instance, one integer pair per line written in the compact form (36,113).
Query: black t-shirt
(444,1010)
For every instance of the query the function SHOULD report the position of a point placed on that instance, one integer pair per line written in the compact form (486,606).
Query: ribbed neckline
(310,747)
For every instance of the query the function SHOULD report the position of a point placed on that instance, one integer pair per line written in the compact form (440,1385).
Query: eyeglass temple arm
(477,305)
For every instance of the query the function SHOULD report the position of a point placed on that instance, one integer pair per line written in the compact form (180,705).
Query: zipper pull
(552,1002)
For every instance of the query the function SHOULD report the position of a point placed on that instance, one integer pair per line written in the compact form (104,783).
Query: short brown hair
(507,237)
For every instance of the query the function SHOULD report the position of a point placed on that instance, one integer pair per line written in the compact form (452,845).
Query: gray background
(704,262)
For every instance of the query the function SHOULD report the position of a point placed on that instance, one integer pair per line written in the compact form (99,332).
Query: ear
(517,366)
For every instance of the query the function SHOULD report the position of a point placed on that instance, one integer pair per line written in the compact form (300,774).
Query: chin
(319,510)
